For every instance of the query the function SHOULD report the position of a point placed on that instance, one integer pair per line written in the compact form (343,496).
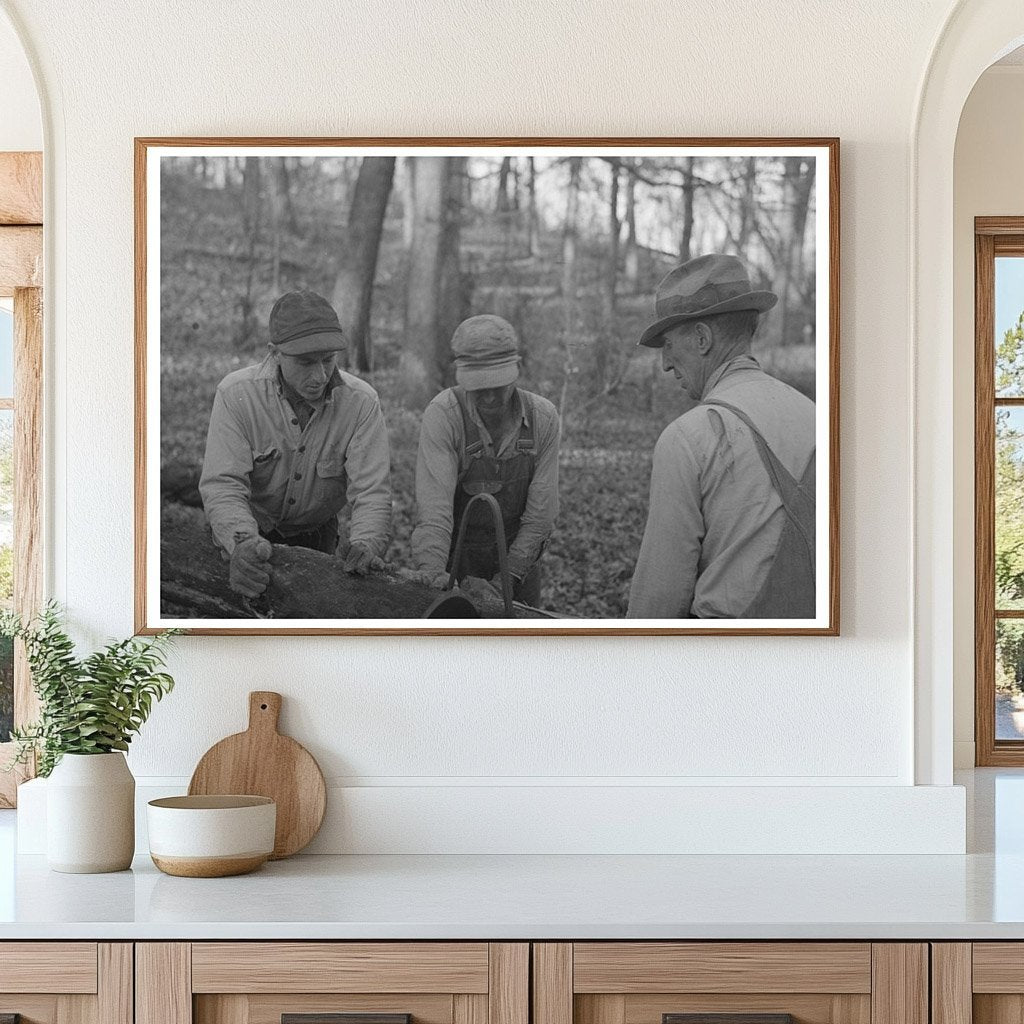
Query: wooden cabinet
(979,982)
(757,982)
(264,982)
(66,982)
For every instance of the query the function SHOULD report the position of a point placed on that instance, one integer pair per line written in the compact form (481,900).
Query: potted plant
(89,710)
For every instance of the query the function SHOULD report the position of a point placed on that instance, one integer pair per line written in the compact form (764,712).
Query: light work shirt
(715,519)
(263,471)
(438,465)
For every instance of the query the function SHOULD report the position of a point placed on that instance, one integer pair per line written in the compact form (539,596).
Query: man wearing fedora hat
(292,440)
(730,526)
(485,435)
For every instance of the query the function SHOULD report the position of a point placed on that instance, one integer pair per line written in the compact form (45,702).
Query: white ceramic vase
(90,814)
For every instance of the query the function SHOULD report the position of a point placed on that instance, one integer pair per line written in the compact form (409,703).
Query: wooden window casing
(21,278)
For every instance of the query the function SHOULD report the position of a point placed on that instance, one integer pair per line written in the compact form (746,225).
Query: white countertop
(977,896)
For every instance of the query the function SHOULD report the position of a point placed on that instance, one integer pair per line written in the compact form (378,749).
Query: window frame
(21,272)
(993,237)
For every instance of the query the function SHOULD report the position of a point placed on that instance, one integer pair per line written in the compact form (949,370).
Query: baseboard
(525,819)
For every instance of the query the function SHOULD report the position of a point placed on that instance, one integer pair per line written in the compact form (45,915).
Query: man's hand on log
(483,590)
(360,559)
(425,578)
(249,573)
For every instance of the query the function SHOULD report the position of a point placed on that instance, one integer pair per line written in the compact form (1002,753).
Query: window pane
(1009,320)
(1009,679)
(1009,574)
(6,567)
(6,352)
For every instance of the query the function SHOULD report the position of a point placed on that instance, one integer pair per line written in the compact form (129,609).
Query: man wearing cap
(485,435)
(730,527)
(292,440)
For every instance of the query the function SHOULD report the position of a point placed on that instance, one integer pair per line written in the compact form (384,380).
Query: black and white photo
(554,387)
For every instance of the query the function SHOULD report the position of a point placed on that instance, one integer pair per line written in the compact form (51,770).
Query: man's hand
(249,573)
(360,559)
(425,577)
(484,590)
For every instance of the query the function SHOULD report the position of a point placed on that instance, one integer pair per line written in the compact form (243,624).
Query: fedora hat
(703,286)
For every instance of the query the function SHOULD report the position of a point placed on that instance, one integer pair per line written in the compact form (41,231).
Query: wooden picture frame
(183,242)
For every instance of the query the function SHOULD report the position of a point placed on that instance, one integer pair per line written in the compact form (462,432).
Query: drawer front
(64,967)
(730,983)
(332,983)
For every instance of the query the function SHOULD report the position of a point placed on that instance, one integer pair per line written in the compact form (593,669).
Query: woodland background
(568,248)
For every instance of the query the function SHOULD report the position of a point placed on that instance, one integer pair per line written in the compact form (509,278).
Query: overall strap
(526,441)
(791,491)
(473,444)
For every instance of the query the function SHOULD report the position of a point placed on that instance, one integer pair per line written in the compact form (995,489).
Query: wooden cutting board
(262,762)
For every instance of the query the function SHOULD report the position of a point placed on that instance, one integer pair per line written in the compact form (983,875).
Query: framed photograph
(502,386)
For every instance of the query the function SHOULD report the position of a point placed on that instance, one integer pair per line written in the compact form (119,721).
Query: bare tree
(572,202)
(689,187)
(251,217)
(502,204)
(606,332)
(407,182)
(532,222)
(454,297)
(353,288)
(425,352)
(632,255)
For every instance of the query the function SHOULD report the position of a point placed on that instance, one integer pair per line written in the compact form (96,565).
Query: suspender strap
(474,443)
(799,505)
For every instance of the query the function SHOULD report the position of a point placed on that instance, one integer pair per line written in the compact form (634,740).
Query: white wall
(21,127)
(432,716)
(987,182)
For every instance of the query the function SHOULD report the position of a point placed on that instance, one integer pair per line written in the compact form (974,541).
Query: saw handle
(264,710)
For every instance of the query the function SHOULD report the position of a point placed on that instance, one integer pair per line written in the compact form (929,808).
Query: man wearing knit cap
(485,435)
(292,441)
(730,526)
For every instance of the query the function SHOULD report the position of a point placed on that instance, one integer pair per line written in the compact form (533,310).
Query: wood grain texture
(951,983)
(268,1009)
(143,144)
(998,967)
(29,1009)
(508,992)
(226,1009)
(28,484)
(899,991)
(467,1009)
(636,967)
(115,1002)
(998,1009)
(76,1009)
(21,259)
(304,967)
(163,983)
(805,1008)
(21,188)
(65,967)
(606,1009)
(999,226)
(262,762)
(552,983)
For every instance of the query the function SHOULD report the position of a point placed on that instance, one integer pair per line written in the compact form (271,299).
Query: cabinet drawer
(64,967)
(332,983)
(730,983)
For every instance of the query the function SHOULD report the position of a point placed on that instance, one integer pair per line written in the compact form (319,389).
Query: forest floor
(607,439)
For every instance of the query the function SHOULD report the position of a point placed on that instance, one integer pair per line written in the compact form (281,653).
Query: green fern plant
(90,705)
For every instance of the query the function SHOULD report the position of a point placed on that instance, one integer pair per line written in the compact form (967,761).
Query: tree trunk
(353,289)
(251,210)
(607,333)
(569,278)
(502,204)
(420,376)
(407,181)
(798,181)
(689,187)
(532,222)
(632,257)
(454,298)
(748,209)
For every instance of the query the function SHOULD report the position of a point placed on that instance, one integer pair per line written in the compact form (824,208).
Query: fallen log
(304,584)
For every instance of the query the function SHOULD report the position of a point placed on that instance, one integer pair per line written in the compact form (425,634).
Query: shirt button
(295,423)
(298,476)
(291,501)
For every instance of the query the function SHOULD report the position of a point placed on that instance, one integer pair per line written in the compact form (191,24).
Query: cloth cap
(486,353)
(703,286)
(302,322)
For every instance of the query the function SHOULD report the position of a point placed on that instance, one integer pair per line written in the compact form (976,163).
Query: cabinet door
(981,982)
(730,983)
(66,982)
(332,983)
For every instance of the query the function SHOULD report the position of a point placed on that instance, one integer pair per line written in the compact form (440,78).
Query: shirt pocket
(264,467)
(332,480)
